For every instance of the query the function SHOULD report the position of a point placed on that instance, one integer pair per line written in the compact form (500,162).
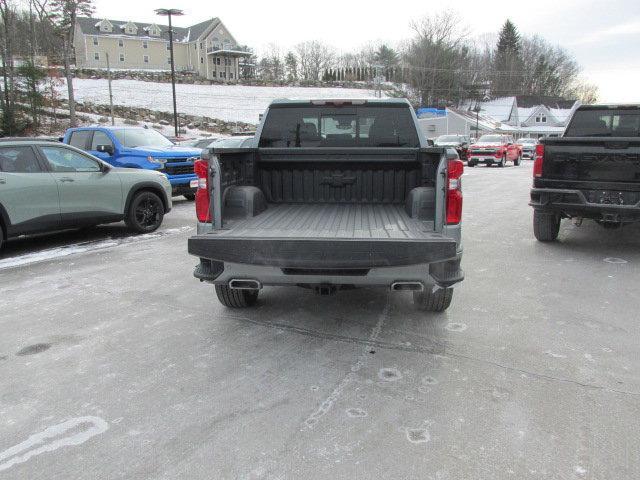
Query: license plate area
(612,197)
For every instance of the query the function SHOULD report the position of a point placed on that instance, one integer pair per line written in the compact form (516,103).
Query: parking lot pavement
(116,363)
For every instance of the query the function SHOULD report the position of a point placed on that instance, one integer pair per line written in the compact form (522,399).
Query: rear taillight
(455,169)
(538,160)
(203,198)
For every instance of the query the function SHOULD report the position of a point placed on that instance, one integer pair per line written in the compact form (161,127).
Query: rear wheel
(431,301)
(146,212)
(190,196)
(546,226)
(233,298)
(517,161)
(471,164)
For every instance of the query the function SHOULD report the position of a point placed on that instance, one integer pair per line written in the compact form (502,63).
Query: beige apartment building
(207,48)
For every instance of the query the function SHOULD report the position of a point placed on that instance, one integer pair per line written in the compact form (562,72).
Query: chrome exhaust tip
(407,286)
(244,284)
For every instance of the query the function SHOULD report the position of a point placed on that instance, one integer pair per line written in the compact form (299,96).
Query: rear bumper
(333,261)
(443,274)
(573,203)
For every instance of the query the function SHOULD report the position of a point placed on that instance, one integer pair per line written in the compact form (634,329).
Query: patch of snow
(232,103)
(67,250)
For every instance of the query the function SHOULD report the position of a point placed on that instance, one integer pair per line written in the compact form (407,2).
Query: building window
(145,59)
(543,119)
(95,41)
(200,45)
(201,60)
(145,44)
(217,60)
(223,74)
(169,60)
(231,75)
(122,57)
(121,43)
(227,61)
(96,56)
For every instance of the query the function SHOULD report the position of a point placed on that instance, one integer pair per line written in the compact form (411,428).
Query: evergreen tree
(508,65)
(291,65)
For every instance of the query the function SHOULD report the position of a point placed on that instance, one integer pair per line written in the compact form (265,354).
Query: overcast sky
(603,35)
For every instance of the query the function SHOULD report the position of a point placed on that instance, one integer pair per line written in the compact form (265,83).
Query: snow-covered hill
(227,102)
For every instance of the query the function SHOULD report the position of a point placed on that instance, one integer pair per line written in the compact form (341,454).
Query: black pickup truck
(592,171)
(330,195)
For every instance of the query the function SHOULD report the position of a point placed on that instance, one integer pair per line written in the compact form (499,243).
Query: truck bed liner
(357,221)
(326,236)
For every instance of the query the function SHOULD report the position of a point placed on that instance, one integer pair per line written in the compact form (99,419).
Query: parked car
(331,195)
(137,147)
(47,186)
(459,142)
(198,142)
(494,149)
(528,147)
(591,172)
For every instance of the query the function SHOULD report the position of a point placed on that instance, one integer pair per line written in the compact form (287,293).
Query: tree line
(441,64)
(31,30)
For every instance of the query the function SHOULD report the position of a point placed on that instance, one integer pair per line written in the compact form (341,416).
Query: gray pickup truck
(330,195)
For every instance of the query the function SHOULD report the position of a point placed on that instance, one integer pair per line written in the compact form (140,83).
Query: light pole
(169,12)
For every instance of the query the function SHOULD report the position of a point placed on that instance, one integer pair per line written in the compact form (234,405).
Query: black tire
(146,212)
(503,162)
(1,237)
(430,301)
(517,161)
(189,196)
(471,164)
(236,298)
(546,226)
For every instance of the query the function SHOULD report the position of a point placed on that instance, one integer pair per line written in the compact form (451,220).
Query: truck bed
(357,221)
(326,235)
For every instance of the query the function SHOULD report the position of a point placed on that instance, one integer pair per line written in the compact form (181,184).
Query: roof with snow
(91,26)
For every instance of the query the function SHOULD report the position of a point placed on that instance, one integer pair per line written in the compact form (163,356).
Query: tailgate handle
(616,145)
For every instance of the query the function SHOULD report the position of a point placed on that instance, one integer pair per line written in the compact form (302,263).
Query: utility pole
(113,122)
(169,12)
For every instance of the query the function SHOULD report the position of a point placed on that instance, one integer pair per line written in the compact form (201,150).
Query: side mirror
(108,149)
(105,167)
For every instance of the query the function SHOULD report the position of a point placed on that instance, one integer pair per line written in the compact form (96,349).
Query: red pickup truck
(494,149)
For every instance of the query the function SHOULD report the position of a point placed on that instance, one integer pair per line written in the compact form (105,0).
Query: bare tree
(7,17)
(62,15)
(314,58)
(434,55)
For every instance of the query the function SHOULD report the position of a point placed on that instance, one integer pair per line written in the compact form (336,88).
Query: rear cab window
(19,159)
(295,126)
(600,122)
(80,139)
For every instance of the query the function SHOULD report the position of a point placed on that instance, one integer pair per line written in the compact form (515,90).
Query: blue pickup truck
(138,147)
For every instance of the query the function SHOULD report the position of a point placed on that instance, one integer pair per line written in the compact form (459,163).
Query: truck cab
(138,147)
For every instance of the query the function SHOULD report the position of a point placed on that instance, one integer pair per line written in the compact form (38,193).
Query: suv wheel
(503,161)
(471,164)
(234,298)
(146,212)
(546,226)
(1,236)
(431,301)
(517,161)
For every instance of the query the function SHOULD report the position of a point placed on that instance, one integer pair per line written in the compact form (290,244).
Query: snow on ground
(232,103)
(65,251)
